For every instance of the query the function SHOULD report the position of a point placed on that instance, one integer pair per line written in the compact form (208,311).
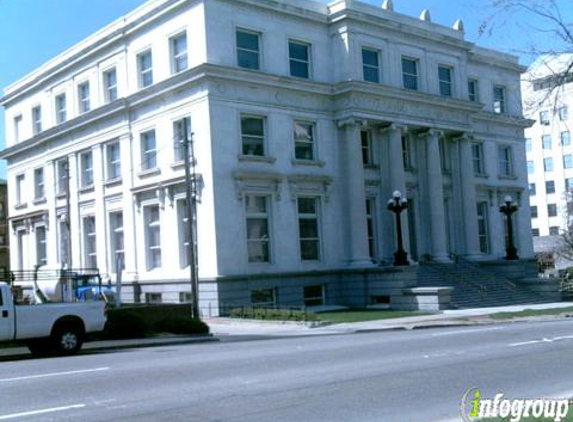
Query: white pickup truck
(49,327)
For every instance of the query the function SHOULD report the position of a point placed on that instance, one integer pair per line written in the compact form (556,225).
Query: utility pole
(191,192)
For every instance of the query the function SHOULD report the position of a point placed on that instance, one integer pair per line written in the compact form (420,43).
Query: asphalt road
(417,376)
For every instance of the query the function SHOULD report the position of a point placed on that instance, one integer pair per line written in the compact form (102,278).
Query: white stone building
(549,151)
(306,117)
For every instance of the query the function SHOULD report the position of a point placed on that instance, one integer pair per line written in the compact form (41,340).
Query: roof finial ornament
(425,16)
(459,25)
(388,5)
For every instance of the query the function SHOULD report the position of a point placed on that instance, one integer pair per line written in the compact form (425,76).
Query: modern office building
(548,100)
(305,117)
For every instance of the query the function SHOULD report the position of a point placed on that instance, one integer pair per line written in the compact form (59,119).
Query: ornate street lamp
(508,208)
(397,204)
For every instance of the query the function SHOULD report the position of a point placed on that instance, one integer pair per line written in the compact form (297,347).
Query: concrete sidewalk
(229,327)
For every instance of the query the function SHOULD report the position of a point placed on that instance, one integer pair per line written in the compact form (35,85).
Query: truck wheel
(40,347)
(67,340)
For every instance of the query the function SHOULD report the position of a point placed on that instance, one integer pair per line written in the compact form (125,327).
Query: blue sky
(33,31)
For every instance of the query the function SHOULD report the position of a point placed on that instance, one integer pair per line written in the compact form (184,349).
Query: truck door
(6,317)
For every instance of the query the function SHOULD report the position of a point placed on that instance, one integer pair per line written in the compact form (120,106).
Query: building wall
(215,93)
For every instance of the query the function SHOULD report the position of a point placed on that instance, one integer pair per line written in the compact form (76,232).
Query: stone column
(51,203)
(75,223)
(129,213)
(398,175)
(497,227)
(436,196)
(100,210)
(469,203)
(354,196)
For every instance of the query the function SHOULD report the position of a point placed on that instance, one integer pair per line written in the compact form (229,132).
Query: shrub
(182,326)
(270,314)
(124,324)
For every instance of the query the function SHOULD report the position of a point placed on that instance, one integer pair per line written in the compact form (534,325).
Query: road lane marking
(470,331)
(543,340)
(42,411)
(54,374)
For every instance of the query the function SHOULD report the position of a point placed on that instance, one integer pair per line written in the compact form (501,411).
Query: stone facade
(305,118)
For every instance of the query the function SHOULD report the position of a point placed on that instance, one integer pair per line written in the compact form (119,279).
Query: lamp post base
(400,258)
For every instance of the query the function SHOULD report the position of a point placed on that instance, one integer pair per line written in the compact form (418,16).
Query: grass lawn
(358,315)
(532,312)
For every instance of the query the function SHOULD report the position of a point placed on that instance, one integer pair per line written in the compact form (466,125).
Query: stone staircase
(476,287)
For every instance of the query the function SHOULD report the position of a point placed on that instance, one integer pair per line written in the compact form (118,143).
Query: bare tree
(544,29)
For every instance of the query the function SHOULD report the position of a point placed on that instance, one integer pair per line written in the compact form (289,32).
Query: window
(62,175)
(370,65)
(528,144)
(299,59)
(185,297)
(41,250)
(37,119)
(544,117)
(178,45)
(179,128)
(406,152)
(505,161)
(148,151)
(63,240)
(548,164)
(499,99)
(84,97)
(563,113)
(17,128)
(253,135)
(308,229)
(550,186)
(552,210)
(366,147)
(371,227)
(87,170)
(546,141)
(410,73)
(89,234)
(477,157)
(565,138)
(568,161)
(152,236)
(554,231)
(535,232)
(183,233)
(533,211)
(263,297)
(116,241)
(483,226)
(530,167)
(303,141)
(20,189)
(569,183)
(248,49)
(39,183)
(473,90)
(113,160)
(258,239)
(445,78)
(532,190)
(145,67)
(110,85)
(314,295)
(61,108)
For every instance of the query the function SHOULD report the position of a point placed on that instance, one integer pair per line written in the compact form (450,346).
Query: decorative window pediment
(305,184)
(257,182)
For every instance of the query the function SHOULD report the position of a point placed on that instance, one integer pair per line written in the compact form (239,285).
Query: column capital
(351,121)
(394,127)
(466,136)
(431,133)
